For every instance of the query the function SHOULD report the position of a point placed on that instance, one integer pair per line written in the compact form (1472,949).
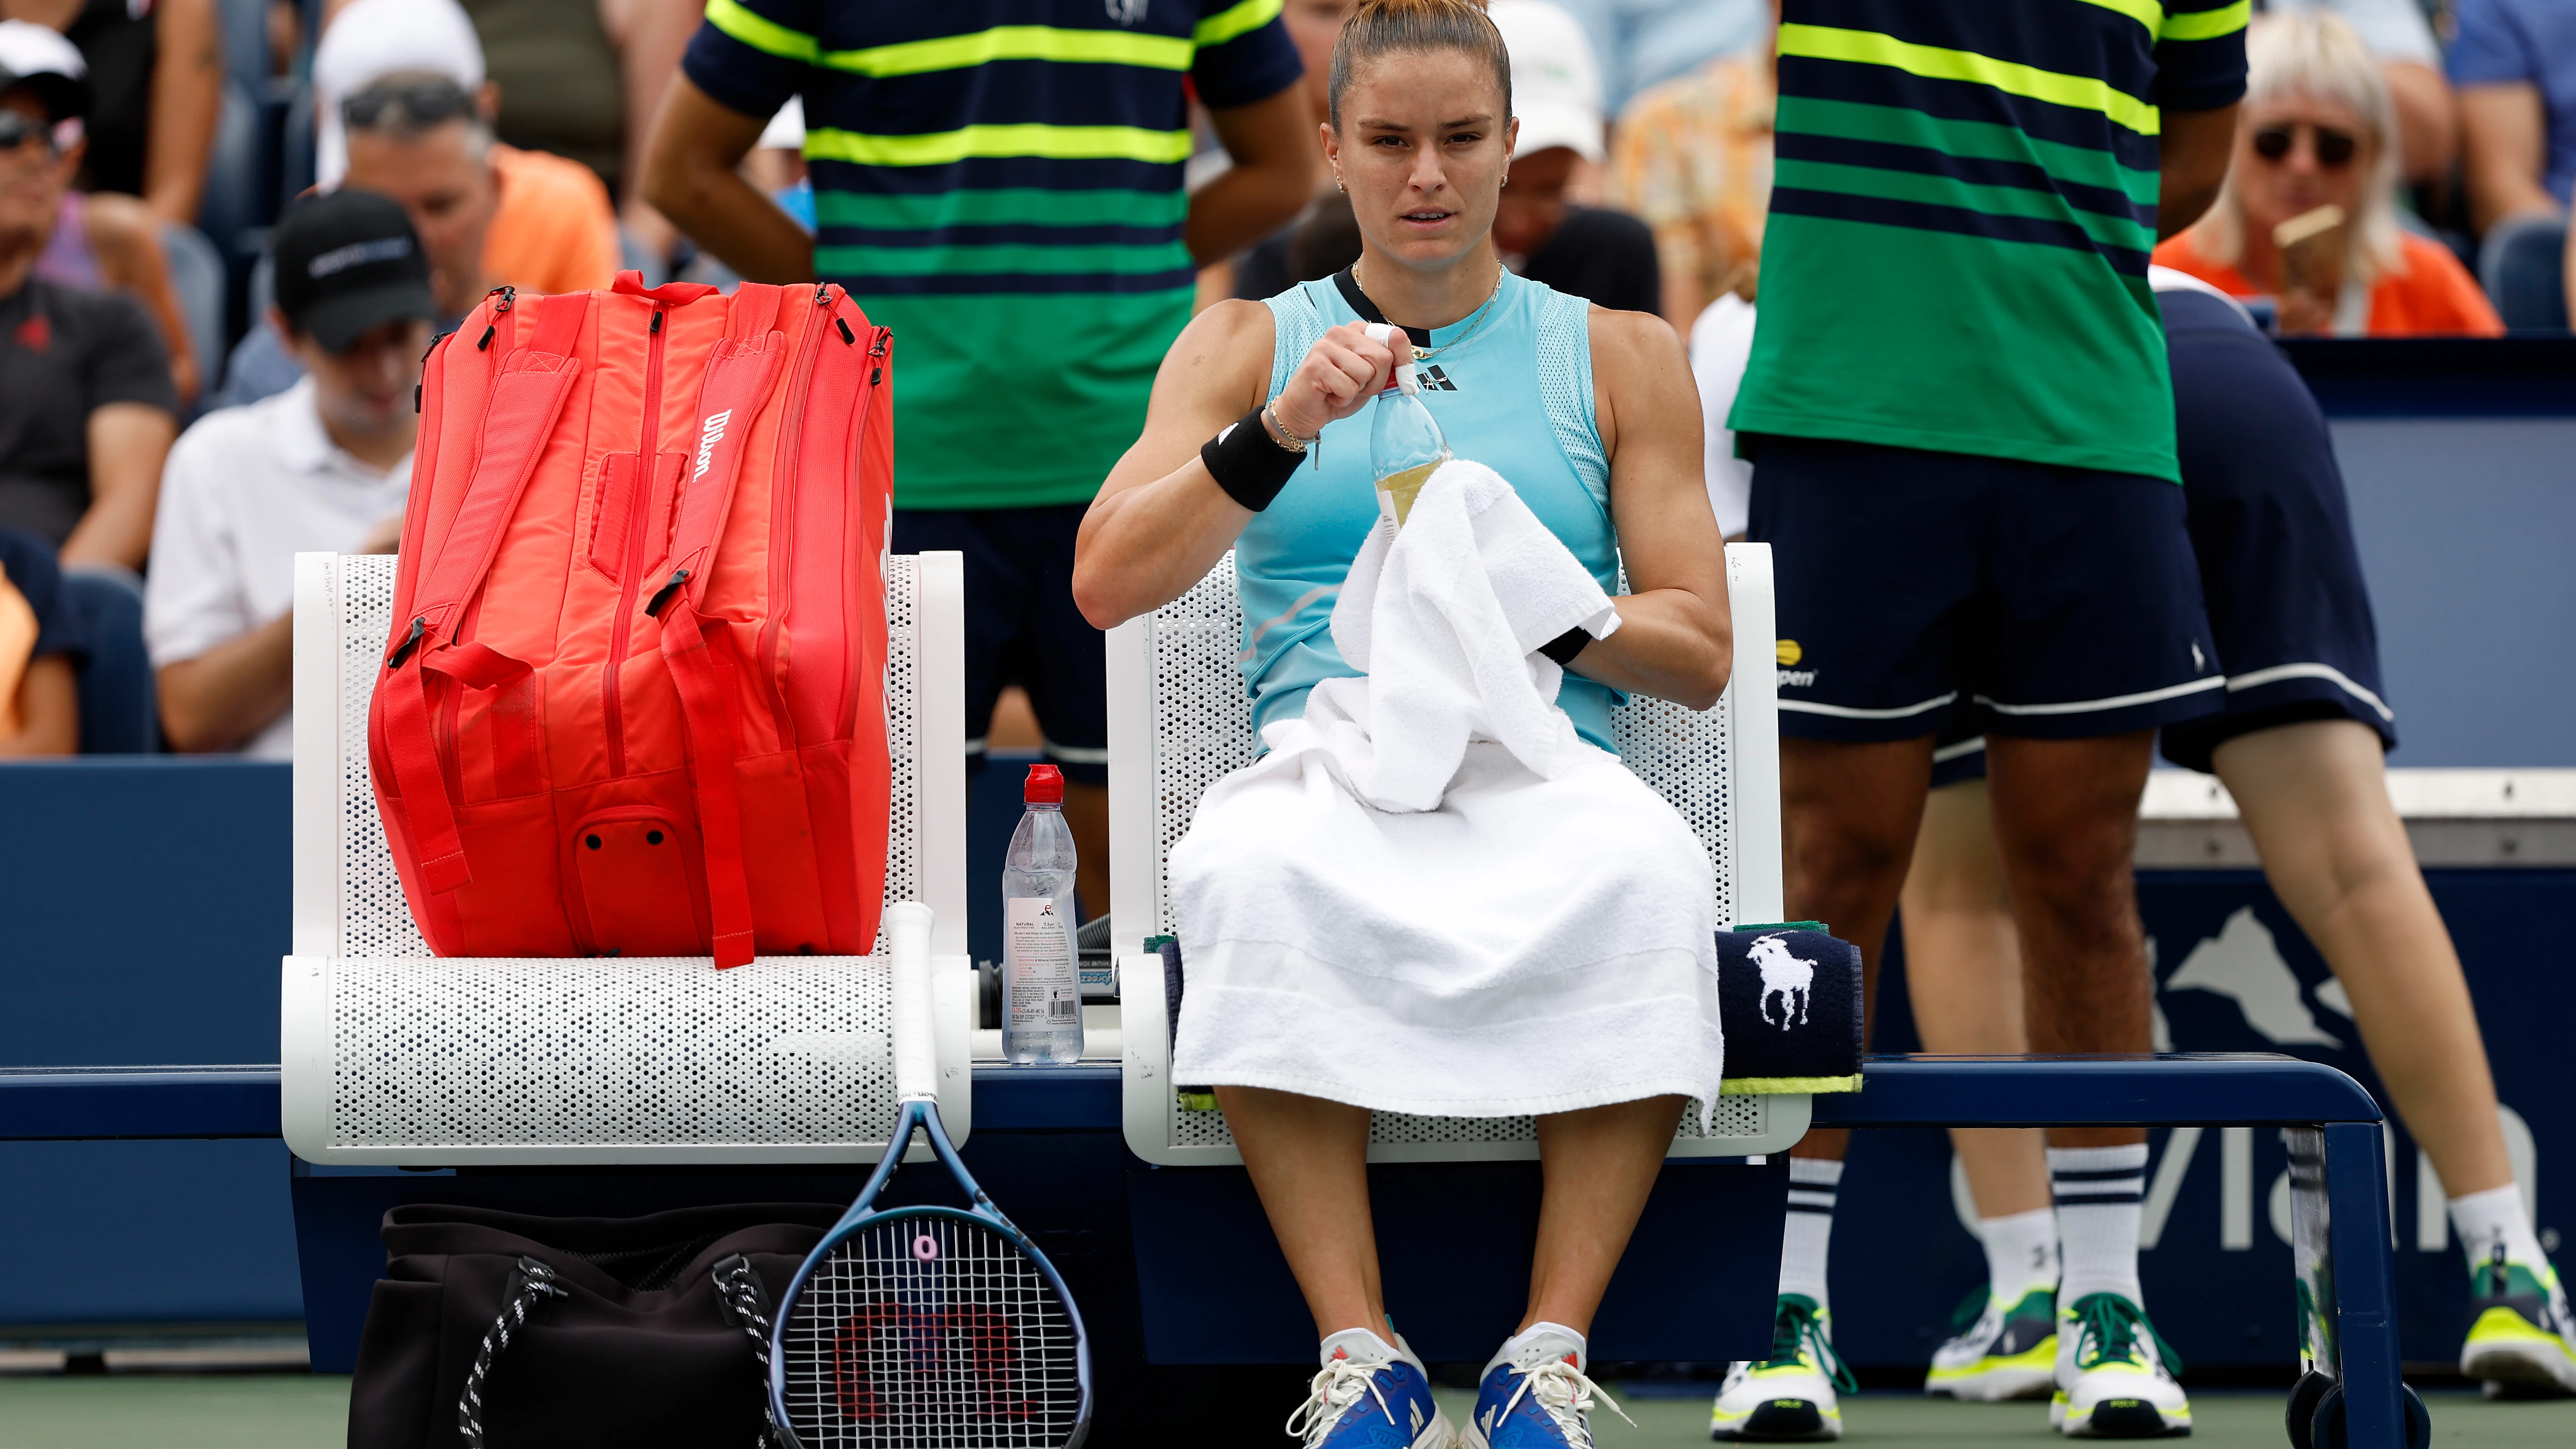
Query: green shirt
(999,181)
(1962,207)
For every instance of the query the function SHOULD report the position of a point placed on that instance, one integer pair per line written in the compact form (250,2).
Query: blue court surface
(309,1412)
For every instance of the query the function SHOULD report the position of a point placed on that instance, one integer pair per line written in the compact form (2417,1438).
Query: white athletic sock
(2485,1219)
(1363,1345)
(1813,1183)
(1537,1344)
(2097,1191)
(2021,1254)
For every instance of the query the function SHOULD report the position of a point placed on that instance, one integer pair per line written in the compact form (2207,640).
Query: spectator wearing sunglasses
(2317,131)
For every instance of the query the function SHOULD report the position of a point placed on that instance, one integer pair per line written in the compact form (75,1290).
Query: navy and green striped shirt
(1000,182)
(1962,208)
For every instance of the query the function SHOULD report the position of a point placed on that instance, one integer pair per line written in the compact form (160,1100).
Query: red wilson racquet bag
(634,698)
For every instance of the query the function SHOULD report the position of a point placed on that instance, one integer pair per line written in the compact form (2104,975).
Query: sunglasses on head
(428,101)
(2335,149)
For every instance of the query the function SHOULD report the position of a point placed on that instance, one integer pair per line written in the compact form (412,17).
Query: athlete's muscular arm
(2194,150)
(1161,522)
(1675,639)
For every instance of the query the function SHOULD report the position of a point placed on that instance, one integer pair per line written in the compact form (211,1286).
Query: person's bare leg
(2066,827)
(1598,1165)
(1963,979)
(1086,809)
(2315,798)
(1848,815)
(1309,1161)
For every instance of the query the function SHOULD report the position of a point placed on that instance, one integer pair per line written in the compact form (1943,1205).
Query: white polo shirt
(244,491)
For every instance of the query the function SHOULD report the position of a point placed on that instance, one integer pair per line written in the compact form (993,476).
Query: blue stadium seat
(197,275)
(120,713)
(243,26)
(234,198)
(2523,266)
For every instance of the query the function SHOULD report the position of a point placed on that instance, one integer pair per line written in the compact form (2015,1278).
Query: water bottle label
(1046,991)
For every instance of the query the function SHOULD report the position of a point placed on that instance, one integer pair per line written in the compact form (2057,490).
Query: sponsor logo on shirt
(1434,380)
(708,436)
(36,334)
(1787,652)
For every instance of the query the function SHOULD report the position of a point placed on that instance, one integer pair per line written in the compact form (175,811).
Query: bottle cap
(1401,377)
(1045,786)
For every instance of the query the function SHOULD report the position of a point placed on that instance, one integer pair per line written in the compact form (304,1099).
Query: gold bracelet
(1279,430)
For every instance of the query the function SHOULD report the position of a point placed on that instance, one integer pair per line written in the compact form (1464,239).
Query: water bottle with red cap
(1041,971)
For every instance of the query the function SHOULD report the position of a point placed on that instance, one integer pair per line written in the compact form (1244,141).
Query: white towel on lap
(1432,895)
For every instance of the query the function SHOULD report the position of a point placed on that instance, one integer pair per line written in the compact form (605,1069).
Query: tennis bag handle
(495,1330)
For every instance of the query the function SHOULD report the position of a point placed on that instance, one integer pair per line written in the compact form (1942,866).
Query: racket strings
(930,1332)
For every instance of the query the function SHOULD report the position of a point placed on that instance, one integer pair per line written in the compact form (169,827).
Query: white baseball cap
(373,39)
(39,58)
(1556,84)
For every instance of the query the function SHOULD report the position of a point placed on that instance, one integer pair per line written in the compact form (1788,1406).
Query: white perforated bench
(393,1056)
(1179,718)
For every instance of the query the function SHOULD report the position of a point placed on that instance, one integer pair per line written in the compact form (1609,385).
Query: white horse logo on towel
(1785,976)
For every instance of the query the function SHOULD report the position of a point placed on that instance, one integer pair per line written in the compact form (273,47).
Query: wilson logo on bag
(634,701)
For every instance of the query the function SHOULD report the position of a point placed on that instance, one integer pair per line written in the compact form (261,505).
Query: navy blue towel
(1789,997)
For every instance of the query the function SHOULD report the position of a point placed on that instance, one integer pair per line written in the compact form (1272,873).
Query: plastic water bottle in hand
(1041,973)
(1405,445)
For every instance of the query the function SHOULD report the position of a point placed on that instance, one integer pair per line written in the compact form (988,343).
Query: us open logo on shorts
(1788,652)
(708,436)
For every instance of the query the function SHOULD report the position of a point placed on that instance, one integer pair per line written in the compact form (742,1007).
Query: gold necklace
(1483,312)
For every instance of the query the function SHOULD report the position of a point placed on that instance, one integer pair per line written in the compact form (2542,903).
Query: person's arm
(127,443)
(1278,160)
(650,36)
(1161,522)
(2501,130)
(1675,638)
(48,711)
(2428,122)
(126,234)
(692,176)
(187,98)
(221,698)
(2571,271)
(2193,148)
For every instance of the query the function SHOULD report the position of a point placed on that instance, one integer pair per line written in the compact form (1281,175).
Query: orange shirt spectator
(2427,294)
(555,229)
(1692,158)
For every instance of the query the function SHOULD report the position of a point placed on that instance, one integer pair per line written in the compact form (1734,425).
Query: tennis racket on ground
(927,1327)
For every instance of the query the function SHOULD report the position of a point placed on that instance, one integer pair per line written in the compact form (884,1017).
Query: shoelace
(1797,1331)
(1565,1394)
(2107,1328)
(1336,1387)
(1971,1310)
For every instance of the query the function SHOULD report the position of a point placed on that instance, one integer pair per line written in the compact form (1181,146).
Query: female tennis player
(1593,418)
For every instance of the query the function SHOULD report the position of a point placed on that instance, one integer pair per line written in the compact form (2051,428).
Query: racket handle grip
(916,1056)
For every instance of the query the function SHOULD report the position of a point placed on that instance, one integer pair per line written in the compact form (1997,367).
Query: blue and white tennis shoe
(1535,1395)
(1369,1395)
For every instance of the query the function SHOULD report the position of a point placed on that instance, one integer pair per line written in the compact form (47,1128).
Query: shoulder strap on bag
(531,1284)
(527,398)
(699,651)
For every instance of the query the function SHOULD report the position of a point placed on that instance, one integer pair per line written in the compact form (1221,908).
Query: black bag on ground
(509,1330)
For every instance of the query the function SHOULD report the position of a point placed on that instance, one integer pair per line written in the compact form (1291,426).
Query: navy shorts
(2272,533)
(1022,627)
(2056,603)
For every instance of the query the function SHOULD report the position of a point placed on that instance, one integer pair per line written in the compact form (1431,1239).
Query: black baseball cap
(348,261)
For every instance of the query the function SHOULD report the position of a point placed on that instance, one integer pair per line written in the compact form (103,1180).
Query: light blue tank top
(1517,397)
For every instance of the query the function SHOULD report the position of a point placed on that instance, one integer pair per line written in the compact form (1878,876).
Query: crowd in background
(2403,172)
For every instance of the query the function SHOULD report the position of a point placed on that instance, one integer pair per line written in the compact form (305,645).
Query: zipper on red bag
(637,534)
(782,509)
(451,700)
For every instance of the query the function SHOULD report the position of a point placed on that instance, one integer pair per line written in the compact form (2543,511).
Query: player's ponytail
(1378,27)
